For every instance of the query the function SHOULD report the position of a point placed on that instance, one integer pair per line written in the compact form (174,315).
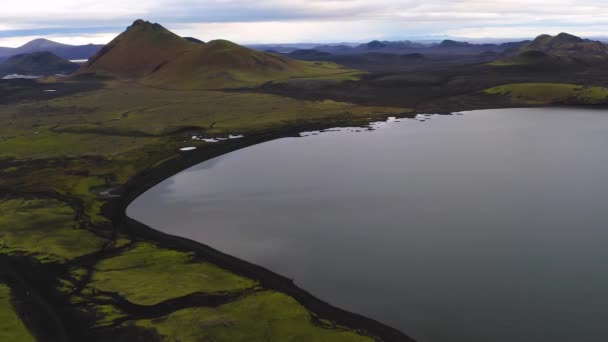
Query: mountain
(140,50)
(559,50)
(37,63)
(61,50)
(40,45)
(151,54)
(387,45)
(448,43)
(373,45)
(566,45)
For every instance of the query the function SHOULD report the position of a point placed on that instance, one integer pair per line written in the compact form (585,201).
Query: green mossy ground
(43,229)
(125,117)
(11,327)
(551,93)
(278,318)
(148,275)
(59,159)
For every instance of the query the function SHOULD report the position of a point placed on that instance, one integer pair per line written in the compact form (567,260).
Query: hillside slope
(153,55)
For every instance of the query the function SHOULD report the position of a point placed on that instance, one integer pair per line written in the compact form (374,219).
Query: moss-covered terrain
(74,268)
(11,326)
(551,93)
(222,323)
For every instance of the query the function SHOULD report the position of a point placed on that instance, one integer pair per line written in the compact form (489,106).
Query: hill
(61,50)
(37,63)
(153,55)
(569,48)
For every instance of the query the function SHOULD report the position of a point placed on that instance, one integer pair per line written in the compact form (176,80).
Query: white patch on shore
(16,76)
(370,127)
(190,148)
(423,117)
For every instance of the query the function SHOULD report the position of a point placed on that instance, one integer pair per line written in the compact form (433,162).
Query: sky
(306,21)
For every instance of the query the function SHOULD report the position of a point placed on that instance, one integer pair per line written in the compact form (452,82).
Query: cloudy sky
(281,21)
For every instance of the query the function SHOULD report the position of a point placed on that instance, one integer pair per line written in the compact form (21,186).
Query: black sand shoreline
(116,208)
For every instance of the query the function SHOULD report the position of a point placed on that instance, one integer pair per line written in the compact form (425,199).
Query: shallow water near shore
(487,226)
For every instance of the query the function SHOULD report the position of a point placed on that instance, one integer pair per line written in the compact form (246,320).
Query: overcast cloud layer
(273,21)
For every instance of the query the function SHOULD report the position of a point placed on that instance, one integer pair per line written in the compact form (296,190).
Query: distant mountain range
(444,47)
(399,47)
(152,54)
(565,43)
(37,63)
(65,51)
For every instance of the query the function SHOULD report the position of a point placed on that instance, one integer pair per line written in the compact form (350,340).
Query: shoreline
(115,210)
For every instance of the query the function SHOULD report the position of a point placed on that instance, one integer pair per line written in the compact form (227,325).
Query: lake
(486,226)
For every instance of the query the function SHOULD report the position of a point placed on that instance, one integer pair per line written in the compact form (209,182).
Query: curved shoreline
(115,210)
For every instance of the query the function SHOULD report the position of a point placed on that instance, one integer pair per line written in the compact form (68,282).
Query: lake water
(488,226)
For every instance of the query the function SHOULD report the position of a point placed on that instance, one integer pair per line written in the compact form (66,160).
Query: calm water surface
(489,226)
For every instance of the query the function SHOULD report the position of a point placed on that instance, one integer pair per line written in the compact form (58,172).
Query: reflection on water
(489,226)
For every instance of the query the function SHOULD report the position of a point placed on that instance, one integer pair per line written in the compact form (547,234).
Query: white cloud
(100,38)
(314,20)
(524,32)
(292,31)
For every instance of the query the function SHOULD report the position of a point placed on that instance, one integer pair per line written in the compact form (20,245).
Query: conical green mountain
(150,54)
